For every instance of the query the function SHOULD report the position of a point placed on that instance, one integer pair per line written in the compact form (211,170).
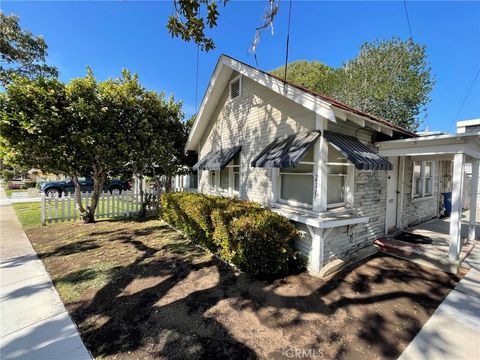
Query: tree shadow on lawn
(171,302)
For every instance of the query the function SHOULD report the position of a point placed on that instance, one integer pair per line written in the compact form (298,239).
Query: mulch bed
(138,290)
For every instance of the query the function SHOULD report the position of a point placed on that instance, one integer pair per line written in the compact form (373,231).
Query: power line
(465,98)
(288,40)
(408,18)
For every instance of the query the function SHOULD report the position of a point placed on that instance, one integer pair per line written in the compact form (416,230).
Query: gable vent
(235,88)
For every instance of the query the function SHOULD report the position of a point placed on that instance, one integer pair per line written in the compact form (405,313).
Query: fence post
(43,209)
(127,194)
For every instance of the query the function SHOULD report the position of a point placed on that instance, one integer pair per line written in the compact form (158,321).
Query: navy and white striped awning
(357,153)
(217,160)
(286,152)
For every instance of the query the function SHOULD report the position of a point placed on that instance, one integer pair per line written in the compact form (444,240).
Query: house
(343,177)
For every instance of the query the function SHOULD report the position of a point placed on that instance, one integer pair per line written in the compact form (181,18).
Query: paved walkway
(34,323)
(453,332)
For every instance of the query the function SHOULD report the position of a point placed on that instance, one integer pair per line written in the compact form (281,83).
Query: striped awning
(357,153)
(286,152)
(217,160)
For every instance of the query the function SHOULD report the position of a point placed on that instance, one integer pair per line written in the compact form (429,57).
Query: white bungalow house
(343,177)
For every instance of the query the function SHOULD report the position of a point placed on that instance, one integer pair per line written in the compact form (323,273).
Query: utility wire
(408,18)
(465,98)
(288,41)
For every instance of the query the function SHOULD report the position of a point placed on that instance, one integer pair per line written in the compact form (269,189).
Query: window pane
(212,179)
(236,181)
(335,156)
(335,189)
(193,180)
(236,160)
(417,169)
(428,169)
(224,179)
(337,169)
(297,188)
(418,186)
(428,186)
(308,156)
(300,168)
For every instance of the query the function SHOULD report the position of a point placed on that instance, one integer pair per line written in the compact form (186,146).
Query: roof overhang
(433,146)
(322,106)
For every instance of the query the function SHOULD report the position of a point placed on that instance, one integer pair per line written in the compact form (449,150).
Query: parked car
(59,188)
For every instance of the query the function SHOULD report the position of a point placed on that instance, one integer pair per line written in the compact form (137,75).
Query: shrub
(29,184)
(256,240)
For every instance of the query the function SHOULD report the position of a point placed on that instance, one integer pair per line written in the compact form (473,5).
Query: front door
(392,194)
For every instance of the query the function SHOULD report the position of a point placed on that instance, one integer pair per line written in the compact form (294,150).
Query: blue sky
(111,35)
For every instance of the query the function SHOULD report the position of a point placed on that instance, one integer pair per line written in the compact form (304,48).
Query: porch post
(456,215)
(473,201)
(320,156)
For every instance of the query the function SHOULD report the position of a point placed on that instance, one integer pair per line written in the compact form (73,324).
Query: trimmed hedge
(254,239)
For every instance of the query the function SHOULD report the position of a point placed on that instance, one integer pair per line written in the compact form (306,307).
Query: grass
(9,192)
(28,214)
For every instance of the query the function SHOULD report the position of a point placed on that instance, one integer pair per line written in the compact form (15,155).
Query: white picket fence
(64,208)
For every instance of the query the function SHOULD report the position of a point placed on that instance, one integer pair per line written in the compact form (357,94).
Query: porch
(450,239)
(434,254)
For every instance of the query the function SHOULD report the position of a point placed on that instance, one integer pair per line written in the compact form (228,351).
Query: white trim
(321,107)
(424,194)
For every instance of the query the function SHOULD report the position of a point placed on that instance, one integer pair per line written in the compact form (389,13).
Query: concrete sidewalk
(34,323)
(453,331)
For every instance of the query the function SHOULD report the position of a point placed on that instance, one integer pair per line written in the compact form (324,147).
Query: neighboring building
(316,161)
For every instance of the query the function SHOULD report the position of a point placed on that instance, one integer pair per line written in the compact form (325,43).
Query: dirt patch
(138,290)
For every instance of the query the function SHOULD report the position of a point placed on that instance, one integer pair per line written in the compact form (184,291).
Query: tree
(189,24)
(22,53)
(390,79)
(310,74)
(155,136)
(90,128)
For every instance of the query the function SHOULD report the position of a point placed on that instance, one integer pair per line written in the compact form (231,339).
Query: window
(228,177)
(296,184)
(236,173)
(212,179)
(193,180)
(235,87)
(422,182)
(337,172)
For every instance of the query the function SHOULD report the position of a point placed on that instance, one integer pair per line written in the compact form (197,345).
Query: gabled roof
(320,104)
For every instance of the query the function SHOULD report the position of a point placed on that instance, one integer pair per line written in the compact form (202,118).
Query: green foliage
(22,53)
(256,240)
(390,79)
(189,24)
(29,184)
(88,128)
(7,174)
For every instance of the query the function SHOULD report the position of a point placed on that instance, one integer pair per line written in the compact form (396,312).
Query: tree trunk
(98,182)
(158,185)
(168,184)
(78,197)
(88,214)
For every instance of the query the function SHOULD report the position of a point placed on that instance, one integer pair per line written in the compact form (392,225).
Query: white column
(473,200)
(315,259)
(320,156)
(456,215)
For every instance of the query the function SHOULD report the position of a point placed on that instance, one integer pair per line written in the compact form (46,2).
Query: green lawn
(28,214)
(10,191)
